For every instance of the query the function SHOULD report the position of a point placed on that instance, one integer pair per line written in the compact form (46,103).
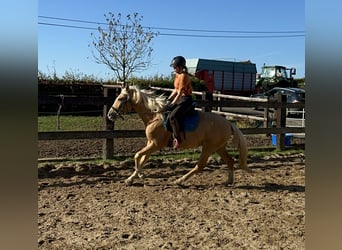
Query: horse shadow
(273,187)
(155,175)
(91,174)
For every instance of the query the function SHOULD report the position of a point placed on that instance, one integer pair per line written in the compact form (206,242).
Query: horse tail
(240,142)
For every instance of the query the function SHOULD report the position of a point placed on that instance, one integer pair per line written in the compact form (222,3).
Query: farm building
(236,78)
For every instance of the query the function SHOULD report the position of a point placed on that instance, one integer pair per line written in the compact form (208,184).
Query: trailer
(234,78)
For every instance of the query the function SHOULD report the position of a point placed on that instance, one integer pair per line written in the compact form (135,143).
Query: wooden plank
(251,104)
(99,100)
(115,86)
(70,135)
(281,121)
(238,101)
(108,143)
(238,115)
(75,135)
(250,131)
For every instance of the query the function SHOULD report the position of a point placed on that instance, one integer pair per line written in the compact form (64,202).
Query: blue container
(288,139)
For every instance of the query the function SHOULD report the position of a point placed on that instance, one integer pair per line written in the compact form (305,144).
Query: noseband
(117,111)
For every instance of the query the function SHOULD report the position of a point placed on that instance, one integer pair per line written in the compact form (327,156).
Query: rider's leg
(175,125)
(176,133)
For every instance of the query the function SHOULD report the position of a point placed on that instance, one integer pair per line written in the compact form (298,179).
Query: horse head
(122,104)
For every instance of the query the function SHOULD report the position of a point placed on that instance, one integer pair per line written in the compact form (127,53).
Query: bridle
(117,111)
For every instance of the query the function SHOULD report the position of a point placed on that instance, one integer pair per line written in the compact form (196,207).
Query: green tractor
(275,76)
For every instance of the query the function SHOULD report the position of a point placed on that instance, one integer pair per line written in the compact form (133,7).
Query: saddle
(188,122)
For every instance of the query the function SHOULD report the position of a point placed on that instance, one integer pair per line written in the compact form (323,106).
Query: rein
(118,113)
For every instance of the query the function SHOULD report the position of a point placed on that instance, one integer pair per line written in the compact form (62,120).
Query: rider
(180,98)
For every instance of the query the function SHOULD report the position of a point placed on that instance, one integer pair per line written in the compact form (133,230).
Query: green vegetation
(74,123)
(84,123)
(76,77)
(69,77)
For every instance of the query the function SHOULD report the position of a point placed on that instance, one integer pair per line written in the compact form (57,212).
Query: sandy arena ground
(83,205)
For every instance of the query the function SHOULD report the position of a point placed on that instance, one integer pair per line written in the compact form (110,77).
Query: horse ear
(123,84)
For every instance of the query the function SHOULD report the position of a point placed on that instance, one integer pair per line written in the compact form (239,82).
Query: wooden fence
(108,133)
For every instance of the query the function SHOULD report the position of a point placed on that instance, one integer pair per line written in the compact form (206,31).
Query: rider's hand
(169,105)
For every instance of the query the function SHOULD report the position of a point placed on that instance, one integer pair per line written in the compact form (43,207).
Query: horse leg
(199,166)
(140,158)
(222,152)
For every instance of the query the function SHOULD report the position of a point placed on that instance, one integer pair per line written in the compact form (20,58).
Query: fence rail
(108,134)
(75,135)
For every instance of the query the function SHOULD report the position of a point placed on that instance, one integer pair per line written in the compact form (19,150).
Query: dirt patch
(88,206)
(128,146)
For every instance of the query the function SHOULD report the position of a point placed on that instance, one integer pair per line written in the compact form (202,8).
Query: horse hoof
(178,182)
(129,182)
(229,183)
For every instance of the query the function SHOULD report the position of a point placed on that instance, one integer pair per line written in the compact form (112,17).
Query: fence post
(218,99)
(203,98)
(60,106)
(108,143)
(267,119)
(207,96)
(281,121)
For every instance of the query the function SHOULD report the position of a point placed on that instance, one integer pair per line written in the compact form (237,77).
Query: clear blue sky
(66,49)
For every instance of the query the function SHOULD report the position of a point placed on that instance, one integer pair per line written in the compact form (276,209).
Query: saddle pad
(190,122)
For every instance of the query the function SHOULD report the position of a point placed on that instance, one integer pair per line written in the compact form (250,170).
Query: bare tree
(123,47)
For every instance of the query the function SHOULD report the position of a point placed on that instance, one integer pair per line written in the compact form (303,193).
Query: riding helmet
(178,61)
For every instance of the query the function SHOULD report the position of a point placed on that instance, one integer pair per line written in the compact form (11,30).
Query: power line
(182,35)
(177,29)
(283,34)
(236,36)
(66,26)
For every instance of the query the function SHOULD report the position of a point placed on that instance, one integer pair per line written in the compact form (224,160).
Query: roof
(198,64)
(273,66)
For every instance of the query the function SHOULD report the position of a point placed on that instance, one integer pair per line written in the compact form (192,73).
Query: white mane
(155,103)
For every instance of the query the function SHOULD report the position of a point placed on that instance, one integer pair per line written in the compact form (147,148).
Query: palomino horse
(212,133)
